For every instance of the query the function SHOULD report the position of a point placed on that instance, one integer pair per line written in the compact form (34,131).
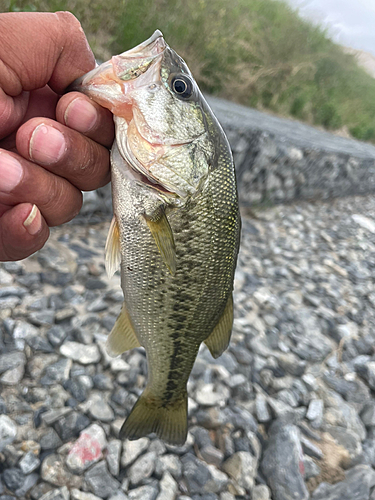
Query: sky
(351,22)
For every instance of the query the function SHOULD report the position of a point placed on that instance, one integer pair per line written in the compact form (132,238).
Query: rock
(80,495)
(23,330)
(98,409)
(87,450)
(132,450)
(261,407)
(11,360)
(113,456)
(282,463)
(84,354)
(13,376)
(364,222)
(311,468)
(315,410)
(69,426)
(168,488)
(100,482)
(52,416)
(142,468)
(60,494)
(168,463)
(242,468)
(310,448)
(261,492)
(29,463)
(77,389)
(212,455)
(54,472)
(368,414)
(56,335)
(119,496)
(50,440)
(143,493)
(13,478)
(218,482)
(196,473)
(30,481)
(211,394)
(8,431)
(39,344)
(356,486)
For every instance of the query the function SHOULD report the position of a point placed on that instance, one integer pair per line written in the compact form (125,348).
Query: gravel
(286,412)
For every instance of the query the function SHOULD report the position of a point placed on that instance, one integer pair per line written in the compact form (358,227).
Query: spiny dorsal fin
(219,338)
(122,337)
(163,236)
(112,249)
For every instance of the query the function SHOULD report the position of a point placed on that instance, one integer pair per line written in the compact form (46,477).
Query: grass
(256,52)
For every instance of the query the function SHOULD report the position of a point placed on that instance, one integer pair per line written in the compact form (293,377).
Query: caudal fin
(149,414)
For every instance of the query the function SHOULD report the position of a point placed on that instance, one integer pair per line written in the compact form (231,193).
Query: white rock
(84,354)
(8,431)
(168,488)
(132,450)
(80,495)
(364,222)
(142,468)
(261,492)
(208,395)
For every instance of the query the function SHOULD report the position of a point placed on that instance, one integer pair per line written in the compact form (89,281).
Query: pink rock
(87,450)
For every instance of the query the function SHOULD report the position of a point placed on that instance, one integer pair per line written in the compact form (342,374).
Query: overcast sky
(351,22)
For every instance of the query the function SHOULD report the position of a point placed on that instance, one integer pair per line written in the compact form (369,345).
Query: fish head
(165,130)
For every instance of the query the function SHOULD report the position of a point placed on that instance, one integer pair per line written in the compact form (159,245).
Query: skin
(51,147)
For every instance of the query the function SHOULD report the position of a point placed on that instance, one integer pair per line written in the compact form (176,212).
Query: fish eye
(182,86)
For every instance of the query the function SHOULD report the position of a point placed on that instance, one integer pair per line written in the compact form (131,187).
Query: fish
(176,227)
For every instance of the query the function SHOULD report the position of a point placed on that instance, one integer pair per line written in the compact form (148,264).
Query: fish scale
(176,228)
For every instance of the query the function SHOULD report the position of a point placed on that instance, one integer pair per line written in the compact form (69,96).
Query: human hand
(51,148)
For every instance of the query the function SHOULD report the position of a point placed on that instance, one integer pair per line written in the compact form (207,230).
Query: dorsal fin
(163,236)
(219,338)
(122,337)
(112,249)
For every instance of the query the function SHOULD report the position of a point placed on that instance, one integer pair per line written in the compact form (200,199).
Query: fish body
(175,232)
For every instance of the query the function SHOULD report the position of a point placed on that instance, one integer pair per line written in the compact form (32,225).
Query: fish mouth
(111,85)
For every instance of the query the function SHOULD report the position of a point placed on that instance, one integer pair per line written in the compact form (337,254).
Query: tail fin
(149,414)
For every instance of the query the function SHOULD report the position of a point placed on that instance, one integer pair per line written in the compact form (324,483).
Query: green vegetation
(256,52)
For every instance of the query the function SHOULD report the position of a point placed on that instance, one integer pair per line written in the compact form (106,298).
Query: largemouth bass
(175,232)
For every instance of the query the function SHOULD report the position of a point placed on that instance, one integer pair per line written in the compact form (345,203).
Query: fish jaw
(111,84)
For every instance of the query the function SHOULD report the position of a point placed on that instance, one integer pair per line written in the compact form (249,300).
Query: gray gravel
(287,412)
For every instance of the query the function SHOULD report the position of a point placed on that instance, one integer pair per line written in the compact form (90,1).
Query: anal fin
(122,337)
(163,236)
(219,338)
(112,249)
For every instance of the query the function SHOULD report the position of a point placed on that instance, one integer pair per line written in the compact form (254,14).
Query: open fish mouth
(111,83)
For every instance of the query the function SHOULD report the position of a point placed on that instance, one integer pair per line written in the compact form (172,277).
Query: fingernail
(47,145)
(10,172)
(80,115)
(33,222)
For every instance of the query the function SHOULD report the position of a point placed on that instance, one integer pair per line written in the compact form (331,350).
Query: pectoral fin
(163,236)
(122,337)
(112,249)
(219,338)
